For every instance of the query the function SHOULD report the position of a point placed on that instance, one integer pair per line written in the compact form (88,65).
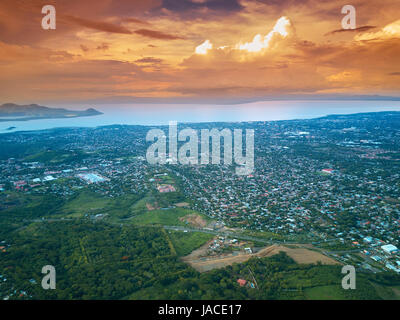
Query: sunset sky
(196,50)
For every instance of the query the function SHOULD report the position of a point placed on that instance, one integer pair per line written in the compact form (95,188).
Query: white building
(392,267)
(389,248)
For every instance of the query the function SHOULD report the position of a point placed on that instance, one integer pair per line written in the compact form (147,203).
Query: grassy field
(186,242)
(387,292)
(332,292)
(163,217)
(85,202)
(166,179)
(262,234)
(140,206)
(54,156)
(13,199)
(88,202)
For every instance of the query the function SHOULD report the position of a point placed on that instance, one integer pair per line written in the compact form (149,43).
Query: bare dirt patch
(182,204)
(206,264)
(200,252)
(201,263)
(152,206)
(194,220)
(300,255)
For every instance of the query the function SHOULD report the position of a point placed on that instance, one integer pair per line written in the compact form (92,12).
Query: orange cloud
(105,49)
(96,25)
(390,31)
(157,34)
(359,29)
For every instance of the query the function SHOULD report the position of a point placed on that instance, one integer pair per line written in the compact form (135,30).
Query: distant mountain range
(15,112)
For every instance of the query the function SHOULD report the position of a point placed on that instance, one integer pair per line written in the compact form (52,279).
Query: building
(368,239)
(92,177)
(392,267)
(389,248)
(166,188)
(20,183)
(248,250)
(241,282)
(376,258)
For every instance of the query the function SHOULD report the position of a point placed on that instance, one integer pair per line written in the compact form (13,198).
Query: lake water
(158,114)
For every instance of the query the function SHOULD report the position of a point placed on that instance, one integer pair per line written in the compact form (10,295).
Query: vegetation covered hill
(15,112)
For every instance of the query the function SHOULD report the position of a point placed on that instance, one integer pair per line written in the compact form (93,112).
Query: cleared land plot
(194,220)
(171,216)
(301,255)
(182,204)
(151,207)
(185,243)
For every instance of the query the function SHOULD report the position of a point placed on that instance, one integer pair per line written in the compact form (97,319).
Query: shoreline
(66,127)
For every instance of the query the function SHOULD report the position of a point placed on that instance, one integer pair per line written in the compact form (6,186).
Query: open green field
(51,156)
(331,292)
(262,234)
(387,292)
(88,202)
(335,292)
(139,207)
(85,202)
(166,179)
(14,199)
(186,242)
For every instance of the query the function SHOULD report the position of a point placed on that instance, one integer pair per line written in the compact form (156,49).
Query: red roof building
(241,282)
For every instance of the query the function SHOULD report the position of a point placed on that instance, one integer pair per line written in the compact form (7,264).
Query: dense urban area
(324,193)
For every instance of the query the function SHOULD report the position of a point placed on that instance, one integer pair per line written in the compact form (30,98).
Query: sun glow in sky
(189,50)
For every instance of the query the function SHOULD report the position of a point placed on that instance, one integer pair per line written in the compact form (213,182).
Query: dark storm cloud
(149,60)
(96,25)
(134,20)
(359,29)
(20,20)
(185,5)
(283,3)
(156,34)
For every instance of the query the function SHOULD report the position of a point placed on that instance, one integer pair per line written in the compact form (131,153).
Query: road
(230,234)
